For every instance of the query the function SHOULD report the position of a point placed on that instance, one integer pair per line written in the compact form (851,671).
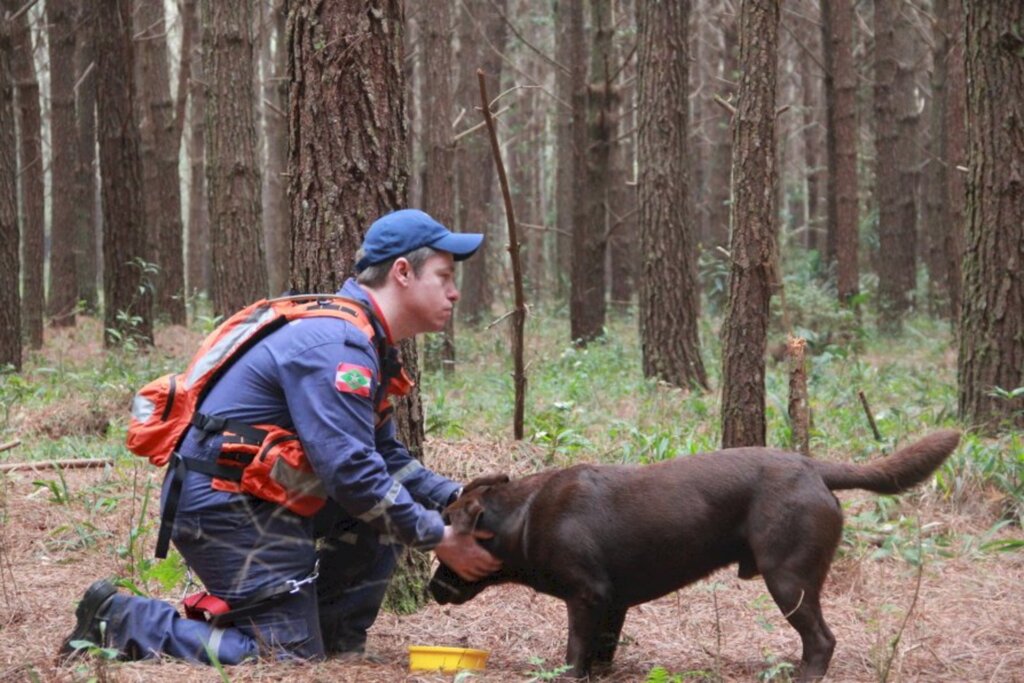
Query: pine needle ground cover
(926,586)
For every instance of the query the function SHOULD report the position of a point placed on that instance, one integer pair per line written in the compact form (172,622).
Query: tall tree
(841,145)
(87,259)
(161,143)
(276,217)
(942,231)
(896,245)
(348,168)
(481,41)
(587,299)
(63,289)
(233,185)
(669,292)
(992,311)
(719,181)
(10,297)
(198,269)
(439,151)
(30,156)
(127,293)
(570,80)
(753,247)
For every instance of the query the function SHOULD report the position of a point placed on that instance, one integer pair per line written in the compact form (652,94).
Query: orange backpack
(265,461)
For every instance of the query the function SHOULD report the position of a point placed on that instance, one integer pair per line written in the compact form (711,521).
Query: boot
(89,615)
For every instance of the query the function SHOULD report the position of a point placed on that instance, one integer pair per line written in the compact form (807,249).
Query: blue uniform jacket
(290,379)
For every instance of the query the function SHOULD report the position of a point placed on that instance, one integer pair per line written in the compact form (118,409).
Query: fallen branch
(871,418)
(9,445)
(70,464)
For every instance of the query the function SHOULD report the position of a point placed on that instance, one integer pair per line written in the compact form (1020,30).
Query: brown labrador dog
(606,537)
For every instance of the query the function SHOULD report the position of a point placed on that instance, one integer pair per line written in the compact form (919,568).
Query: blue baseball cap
(400,232)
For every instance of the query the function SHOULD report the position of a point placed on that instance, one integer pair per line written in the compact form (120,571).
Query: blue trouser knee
(356,564)
(236,550)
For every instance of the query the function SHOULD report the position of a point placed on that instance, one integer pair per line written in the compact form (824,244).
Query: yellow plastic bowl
(446,659)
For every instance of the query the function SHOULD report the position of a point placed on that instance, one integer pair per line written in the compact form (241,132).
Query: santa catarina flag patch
(353,379)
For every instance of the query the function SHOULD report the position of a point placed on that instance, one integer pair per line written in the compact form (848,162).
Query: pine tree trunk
(587,298)
(30,149)
(570,80)
(841,146)
(439,148)
(87,253)
(198,259)
(720,170)
(895,255)
(992,312)
(162,184)
(128,303)
(753,247)
(276,217)
(475,166)
(810,86)
(10,271)
(232,170)
(669,291)
(955,136)
(63,289)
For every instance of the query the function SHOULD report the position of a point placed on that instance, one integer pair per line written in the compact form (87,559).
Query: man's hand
(465,556)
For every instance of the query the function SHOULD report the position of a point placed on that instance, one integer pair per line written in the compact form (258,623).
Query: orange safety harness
(261,460)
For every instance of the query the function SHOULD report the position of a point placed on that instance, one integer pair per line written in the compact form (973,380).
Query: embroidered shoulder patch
(353,379)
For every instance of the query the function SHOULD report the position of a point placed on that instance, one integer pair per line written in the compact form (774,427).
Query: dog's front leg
(586,618)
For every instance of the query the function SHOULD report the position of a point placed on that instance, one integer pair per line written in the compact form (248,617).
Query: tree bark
(753,247)
(570,81)
(160,151)
(198,259)
(483,33)
(276,217)
(841,233)
(992,312)
(128,302)
(31,163)
(720,167)
(669,290)
(232,170)
(439,147)
(955,134)
(587,302)
(87,238)
(896,243)
(63,289)
(10,271)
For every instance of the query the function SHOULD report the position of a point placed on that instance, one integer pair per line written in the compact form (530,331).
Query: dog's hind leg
(798,597)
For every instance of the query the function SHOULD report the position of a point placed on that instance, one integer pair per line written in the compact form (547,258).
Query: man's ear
(486,480)
(401,270)
(464,517)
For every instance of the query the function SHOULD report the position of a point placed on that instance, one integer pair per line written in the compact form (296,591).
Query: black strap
(177,475)
(214,424)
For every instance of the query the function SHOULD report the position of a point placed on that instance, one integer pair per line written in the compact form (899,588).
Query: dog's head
(466,515)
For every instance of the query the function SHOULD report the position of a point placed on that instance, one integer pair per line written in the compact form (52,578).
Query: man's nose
(454,295)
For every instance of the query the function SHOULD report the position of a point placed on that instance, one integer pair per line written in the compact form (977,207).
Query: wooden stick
(519,314)
(9,445)
(871,418)
(70,464)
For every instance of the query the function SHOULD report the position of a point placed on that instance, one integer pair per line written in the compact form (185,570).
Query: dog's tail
(898,472)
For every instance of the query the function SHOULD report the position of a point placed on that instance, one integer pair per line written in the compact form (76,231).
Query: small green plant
(60,494)
(14,388)
(541,673)
(777,669)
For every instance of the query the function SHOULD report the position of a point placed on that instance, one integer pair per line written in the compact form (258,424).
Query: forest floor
(957,616)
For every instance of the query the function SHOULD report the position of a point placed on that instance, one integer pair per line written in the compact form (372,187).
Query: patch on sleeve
(353,379)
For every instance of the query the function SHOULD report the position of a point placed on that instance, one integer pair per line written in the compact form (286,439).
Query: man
(306,587)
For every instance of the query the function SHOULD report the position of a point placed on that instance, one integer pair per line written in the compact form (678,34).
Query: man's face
(432,294)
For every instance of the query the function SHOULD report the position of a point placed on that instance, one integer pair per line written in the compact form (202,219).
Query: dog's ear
(486,480)
(464,515)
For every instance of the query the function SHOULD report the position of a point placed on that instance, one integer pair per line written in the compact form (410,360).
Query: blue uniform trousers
(250,545)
